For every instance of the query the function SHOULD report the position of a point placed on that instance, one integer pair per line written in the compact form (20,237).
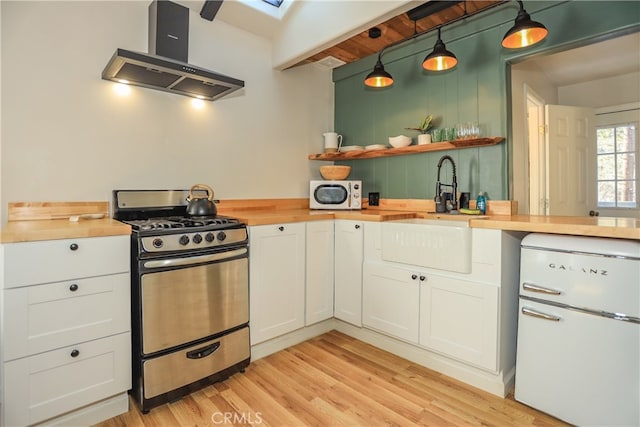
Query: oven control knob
(222,235)
(184,240)
(158,243)
(197,238)
(209,237)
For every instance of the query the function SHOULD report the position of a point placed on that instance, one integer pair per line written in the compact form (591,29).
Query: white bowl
(346,148)
(399,141)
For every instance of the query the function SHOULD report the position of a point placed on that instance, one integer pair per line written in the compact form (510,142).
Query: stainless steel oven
(190,297)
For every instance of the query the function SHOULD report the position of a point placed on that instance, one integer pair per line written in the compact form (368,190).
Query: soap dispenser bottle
(481,203)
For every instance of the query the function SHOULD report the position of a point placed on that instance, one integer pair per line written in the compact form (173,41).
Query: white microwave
(335,194)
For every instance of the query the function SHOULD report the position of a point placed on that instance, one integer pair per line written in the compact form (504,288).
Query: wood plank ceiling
(399,28)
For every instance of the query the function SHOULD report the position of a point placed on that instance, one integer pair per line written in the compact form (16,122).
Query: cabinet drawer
(39,387)
(30,263)
(45,317)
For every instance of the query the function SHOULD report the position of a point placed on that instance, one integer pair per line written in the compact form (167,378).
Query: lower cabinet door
(46,385)
(460,319)
(390,301)
(319,272)
(276,280)
(55,315)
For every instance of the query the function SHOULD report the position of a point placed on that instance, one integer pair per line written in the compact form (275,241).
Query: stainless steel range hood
(164,69)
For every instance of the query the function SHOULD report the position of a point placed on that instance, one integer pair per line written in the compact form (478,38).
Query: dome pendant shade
(378,77)
(524,32)
(440,59)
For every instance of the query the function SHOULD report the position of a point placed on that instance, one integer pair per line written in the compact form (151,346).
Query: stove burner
(200,222)
(179,222)
(155,224)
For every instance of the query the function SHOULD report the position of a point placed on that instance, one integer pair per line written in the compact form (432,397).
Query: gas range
(189,295)
(159,223)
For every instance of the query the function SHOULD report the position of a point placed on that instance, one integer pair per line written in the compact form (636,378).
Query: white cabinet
(348,271)
(276,279)
(468,317)
(391,300)
(65,326)
(459,318)
(45,385)
(319,271)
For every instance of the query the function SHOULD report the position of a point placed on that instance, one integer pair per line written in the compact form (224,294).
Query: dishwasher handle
(534,313)
(539,289)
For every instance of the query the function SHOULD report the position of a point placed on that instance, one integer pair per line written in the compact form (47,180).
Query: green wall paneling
(475,91)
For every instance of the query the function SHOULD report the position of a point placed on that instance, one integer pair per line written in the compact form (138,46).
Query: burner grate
(155,224)
(180,222)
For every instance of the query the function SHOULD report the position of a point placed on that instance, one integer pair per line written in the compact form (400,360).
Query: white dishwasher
(578,354)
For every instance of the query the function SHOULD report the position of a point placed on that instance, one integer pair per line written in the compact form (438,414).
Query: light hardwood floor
(334,379)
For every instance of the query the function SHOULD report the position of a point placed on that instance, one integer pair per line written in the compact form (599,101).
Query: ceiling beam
(210,9)
(430,8)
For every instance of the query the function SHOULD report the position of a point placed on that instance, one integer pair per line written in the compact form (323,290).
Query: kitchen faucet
(441,201)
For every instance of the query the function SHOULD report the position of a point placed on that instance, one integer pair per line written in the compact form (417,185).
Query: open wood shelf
(411,149)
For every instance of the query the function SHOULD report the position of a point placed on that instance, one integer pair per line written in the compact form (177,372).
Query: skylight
(275,3)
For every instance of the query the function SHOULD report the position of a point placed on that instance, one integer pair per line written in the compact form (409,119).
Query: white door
(391,300)
(348,271)
(570,147)
(276,280)
(319,272)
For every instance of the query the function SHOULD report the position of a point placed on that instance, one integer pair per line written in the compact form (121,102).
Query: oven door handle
(173,262)
(203,352)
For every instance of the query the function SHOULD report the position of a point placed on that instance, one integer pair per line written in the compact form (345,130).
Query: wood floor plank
(336,380)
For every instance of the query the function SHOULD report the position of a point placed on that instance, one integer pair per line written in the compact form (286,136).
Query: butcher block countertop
(50,221)
(623,228)
(501,216)
(31,221)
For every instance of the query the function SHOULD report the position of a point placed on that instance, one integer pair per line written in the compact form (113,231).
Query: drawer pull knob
(357,226)
(281,228)
(75,353)
(73,246)
(414,276)
(422,278)
(73,287)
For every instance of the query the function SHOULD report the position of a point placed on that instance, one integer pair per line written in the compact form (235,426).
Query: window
(275,3)
(617,166)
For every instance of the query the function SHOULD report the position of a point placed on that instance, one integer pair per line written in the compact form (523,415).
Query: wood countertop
(622,228)
(295,210)
(298,215)
(53,229)
(33,221)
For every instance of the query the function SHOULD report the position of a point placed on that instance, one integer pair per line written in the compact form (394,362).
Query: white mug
(332,139)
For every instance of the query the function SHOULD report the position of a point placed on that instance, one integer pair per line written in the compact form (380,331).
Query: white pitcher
(332,141)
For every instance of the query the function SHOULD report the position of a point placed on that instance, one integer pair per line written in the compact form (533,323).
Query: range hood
(165,67)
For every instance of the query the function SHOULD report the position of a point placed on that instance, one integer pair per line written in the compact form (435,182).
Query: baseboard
(276,344)
(484,380)
(494,383)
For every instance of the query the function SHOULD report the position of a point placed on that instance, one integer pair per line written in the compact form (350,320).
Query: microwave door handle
(349,197)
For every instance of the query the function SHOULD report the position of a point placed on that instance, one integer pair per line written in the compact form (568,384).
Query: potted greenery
(425,125)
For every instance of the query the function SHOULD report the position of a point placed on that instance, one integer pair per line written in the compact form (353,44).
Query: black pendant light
(524,32)
(378,77)
(440,59)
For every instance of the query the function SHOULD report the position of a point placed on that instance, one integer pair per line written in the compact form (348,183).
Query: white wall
(66,135)
(618,90)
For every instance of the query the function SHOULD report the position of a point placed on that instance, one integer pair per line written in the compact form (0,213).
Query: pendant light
(440,59)
(524,32)
(378,77)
